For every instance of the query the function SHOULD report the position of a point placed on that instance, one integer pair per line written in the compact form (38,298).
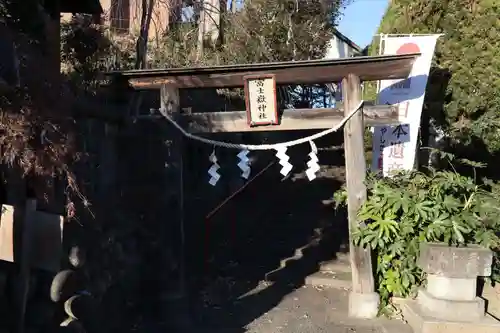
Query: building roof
(346,40)
(75,6)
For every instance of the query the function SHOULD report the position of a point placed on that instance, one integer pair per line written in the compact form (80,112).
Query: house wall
(125,15)
(339,49)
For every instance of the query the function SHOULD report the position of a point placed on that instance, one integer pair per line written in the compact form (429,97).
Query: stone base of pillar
(446,309)
(421,322)
(363,305)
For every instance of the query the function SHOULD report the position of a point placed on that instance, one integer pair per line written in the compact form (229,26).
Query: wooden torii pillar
(363,299)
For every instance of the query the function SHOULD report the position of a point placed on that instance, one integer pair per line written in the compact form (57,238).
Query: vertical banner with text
(394,147)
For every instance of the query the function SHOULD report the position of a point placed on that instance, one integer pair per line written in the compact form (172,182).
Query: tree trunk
(142,40)
(212,19)
(201,30)
(222,18)
(210,23)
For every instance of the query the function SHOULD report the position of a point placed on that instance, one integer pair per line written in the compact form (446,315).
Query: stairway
(335,273)
(298,261)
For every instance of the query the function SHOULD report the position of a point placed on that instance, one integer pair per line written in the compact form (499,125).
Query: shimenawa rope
(274,146)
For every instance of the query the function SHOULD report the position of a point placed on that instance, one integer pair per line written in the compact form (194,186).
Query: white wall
(339,49)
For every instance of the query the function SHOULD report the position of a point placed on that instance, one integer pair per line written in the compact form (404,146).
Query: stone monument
(449,303)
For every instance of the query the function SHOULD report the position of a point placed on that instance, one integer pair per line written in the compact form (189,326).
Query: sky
(361,20)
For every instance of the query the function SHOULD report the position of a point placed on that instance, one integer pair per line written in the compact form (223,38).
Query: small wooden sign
(7,233)
(260,98)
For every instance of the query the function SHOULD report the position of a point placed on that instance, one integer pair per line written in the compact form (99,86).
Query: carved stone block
(455,262)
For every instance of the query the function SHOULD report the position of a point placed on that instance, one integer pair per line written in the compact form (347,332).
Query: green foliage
(87,49)
(279,30)
(468,52)
(36,128)
(410,208)
(262,31)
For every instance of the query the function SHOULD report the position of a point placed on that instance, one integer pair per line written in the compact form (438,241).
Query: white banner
(394,147)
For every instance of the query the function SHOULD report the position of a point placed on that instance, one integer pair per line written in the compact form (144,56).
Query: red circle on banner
(408,48)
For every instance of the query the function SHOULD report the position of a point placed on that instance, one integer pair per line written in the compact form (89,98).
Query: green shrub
(410,208)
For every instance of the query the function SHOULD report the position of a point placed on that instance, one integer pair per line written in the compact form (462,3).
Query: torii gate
(363,299)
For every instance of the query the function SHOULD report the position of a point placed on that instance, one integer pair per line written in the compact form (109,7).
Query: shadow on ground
(231,252)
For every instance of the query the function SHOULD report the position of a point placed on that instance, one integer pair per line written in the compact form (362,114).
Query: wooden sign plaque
(260,99)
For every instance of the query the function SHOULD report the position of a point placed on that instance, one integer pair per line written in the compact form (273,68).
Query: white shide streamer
(214,175)
(244,163)
(283,160)
(312,165)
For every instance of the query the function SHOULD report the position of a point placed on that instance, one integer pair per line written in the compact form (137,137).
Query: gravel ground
(302,310)
(309,310)
(492,295)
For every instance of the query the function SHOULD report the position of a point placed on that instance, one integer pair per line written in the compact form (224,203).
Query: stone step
(283,238)
(279,254)
(340,264)
(335,267)
(341,280)
(308,248)
(286,263)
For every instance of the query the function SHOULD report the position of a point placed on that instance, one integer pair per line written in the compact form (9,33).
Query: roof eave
(348,41)
(81,7)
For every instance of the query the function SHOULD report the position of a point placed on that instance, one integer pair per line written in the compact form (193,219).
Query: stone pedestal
(449,302)
(363,305)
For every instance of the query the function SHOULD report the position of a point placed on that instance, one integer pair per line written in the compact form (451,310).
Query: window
(120,15)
